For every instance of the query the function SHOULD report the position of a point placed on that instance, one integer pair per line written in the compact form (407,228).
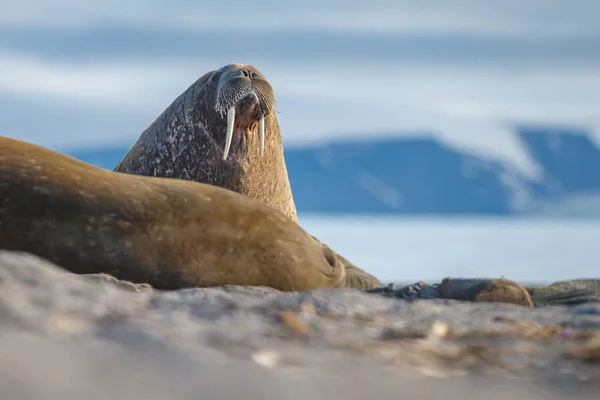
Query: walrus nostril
(249,73)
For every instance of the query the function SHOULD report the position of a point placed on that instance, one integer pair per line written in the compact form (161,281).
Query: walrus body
(223,131)
(168,233)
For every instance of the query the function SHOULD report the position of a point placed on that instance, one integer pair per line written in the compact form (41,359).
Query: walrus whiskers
(234,92)
(229,134)
(231,114)
(231,127)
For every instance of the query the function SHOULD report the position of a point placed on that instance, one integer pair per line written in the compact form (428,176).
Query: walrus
(223,131)
(168,233)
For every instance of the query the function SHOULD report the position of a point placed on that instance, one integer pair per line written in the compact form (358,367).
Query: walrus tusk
(261,134)
(229,136)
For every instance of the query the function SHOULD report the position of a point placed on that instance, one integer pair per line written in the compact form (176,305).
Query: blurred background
(423,138)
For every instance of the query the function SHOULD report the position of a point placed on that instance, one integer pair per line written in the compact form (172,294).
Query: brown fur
(169,233)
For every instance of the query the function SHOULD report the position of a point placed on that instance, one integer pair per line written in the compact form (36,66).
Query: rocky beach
(65,336)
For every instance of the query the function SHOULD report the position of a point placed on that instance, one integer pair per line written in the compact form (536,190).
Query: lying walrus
(168,233)
(223,131)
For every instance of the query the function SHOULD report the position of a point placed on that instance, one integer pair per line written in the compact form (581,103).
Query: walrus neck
(265,178)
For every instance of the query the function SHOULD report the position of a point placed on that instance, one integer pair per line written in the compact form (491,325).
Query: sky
(80,74)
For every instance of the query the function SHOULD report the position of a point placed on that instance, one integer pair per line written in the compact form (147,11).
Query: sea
(406,250)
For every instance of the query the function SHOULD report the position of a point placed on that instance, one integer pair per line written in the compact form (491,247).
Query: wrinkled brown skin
(186,142)
(168,233)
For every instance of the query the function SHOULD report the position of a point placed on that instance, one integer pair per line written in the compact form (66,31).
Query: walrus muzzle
(246,98)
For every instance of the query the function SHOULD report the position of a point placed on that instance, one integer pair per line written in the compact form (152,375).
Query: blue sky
(77,73)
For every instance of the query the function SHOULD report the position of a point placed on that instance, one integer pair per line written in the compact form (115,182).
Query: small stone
(294,323)
(308,308)
(66,324)
(438,330)
(266,358)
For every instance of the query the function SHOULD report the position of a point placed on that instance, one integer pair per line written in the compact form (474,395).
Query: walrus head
(244,92)
(223,131)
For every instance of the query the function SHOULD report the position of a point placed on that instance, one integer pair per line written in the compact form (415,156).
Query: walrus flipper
(356,278)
